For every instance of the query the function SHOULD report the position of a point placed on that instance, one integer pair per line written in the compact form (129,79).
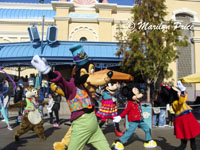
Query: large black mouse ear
(125,91)
(173,96)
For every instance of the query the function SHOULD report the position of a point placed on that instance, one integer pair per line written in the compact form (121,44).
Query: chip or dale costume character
(31,119)
(79,92)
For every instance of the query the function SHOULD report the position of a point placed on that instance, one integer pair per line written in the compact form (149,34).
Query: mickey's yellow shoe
(117,146)
(150,144)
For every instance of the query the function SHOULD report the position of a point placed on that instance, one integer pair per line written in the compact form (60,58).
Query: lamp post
(34,37)
(43,17)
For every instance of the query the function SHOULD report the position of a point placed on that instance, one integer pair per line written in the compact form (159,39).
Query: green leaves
(149,47)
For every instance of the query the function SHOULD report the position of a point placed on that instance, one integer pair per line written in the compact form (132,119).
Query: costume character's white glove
(114,99)
(180,86)
(117,119)
(40,64)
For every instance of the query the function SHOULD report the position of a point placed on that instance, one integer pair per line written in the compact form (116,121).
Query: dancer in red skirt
(186,127)
(108,108)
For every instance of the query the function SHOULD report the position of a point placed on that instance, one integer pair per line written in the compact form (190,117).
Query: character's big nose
(110,74)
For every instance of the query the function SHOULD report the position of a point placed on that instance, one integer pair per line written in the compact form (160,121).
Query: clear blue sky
(119,2)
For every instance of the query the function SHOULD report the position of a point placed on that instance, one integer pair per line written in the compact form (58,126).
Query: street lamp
(51,36)
(33,34)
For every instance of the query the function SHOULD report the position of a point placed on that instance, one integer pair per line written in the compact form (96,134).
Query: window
(185,63)
(83,39)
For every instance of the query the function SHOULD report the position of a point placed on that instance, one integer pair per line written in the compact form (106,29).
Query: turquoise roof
(12,54)
(26,13)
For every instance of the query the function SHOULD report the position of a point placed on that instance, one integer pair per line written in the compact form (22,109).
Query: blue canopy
(21,54)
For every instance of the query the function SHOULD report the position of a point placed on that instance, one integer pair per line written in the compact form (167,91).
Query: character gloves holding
(117,119)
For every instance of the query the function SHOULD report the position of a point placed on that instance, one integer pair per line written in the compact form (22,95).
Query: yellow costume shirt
(180,107)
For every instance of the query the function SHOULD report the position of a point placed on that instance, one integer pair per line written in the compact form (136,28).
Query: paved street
(30,141)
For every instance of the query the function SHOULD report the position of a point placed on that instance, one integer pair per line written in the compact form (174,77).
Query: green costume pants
(85,130)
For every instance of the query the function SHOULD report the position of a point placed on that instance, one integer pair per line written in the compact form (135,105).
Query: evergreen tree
(149,45)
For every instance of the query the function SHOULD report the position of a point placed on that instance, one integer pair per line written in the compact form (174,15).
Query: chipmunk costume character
(31,119)
(79,92)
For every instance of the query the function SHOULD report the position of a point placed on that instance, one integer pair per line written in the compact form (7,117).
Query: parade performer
(135,119)
(108,108)
(31,119)
(79,92)
(64,142)
(3,105)
(4,94)
(186,127)
(3,113)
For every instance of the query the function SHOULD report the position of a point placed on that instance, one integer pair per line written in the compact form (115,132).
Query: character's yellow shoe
(59,146)
(150,144)
(117,146)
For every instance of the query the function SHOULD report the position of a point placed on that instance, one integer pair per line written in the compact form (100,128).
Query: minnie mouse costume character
(135,119)
(185,124)
(108,108)
(79,92)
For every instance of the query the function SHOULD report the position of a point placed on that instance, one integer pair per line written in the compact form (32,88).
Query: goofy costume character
(79,92)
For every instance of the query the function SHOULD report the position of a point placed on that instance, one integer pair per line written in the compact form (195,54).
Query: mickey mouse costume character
(79,92)
(185,124)
(135,119)
(108,108)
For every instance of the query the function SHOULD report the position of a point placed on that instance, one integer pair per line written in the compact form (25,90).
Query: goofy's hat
(79,55)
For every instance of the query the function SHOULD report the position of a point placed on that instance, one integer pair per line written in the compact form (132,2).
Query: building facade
(91,21)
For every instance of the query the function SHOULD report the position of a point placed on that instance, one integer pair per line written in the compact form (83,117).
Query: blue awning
(15,54)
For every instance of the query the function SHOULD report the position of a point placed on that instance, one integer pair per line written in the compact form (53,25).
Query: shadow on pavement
(23,141)
(65,121)
(164,144)
(108,128)
(15,145)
